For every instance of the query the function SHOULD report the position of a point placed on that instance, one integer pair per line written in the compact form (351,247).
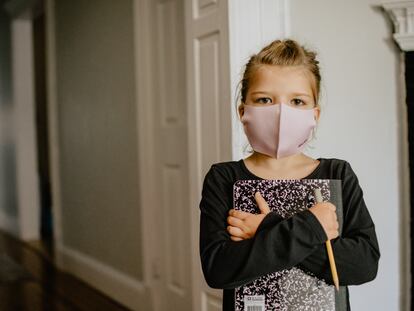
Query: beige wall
(97,132)
(362,121)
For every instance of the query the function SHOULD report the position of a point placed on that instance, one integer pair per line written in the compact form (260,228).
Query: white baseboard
(117,285)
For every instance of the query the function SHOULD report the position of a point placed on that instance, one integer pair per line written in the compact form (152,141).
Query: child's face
(272,85)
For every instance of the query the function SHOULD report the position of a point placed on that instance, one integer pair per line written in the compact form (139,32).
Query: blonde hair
(286,52)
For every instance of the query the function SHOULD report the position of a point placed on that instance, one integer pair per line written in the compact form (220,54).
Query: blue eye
(260,100)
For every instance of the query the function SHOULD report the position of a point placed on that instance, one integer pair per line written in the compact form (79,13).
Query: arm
(356,251)
(276,246)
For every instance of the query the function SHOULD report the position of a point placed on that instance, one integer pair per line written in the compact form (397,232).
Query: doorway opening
(409,85)
(39,59)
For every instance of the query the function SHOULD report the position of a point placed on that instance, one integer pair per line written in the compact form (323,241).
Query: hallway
(29,281)
(112,113)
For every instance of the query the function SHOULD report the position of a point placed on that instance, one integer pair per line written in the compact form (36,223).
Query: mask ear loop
(312,137)
(317,124)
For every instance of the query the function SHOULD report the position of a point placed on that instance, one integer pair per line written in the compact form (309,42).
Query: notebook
(289,289)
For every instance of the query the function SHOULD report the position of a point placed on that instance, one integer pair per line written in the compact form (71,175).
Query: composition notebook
(289,289)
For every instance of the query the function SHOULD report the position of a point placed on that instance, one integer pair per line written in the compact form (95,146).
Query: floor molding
(119,286)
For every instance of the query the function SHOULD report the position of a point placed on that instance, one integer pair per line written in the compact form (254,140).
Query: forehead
(281,78)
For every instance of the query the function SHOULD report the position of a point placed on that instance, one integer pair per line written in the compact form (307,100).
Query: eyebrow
(294,94)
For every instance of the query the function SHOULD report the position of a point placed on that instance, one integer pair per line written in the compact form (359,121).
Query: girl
(279,110)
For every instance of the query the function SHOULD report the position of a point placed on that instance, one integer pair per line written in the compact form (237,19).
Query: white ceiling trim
(402,15)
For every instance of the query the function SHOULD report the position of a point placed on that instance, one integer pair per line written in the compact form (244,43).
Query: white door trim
(145,90)
(26,226)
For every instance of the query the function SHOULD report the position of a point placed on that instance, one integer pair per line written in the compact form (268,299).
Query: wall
(361,120)
(98,154)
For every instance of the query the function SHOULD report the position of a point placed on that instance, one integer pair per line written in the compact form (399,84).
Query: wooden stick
(318,197)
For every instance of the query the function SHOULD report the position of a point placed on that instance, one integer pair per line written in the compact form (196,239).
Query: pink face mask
(278,130)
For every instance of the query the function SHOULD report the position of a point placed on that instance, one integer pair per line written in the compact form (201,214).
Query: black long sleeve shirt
(283,243)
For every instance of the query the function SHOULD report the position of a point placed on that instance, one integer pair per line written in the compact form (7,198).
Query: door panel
(209,118)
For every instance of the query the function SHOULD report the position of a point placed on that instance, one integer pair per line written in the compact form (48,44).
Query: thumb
(261,202)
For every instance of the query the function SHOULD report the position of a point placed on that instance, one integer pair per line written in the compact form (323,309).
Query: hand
(243,225)
(325,212)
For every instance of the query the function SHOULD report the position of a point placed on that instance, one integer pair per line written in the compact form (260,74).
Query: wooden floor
(32,282)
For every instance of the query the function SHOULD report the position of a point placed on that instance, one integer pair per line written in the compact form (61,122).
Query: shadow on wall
(8,193)
(5,62)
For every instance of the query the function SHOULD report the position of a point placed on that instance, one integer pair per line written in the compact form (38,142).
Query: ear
(241,110)
(317,112)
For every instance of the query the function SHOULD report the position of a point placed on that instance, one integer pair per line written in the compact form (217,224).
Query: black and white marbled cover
(289,289)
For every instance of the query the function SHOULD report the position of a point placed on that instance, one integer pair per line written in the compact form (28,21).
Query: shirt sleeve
(356,251)
(278,244)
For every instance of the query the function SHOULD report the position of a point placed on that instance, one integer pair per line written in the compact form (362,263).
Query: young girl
(279,110)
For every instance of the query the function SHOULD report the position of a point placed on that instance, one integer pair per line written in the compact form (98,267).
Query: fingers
(335,225)
(236,222)
(261,202)
(325,212)
(235,238)
(332,234)
(239,214)
(236,232)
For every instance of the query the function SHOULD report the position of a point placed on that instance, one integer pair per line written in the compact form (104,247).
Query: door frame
(26,225)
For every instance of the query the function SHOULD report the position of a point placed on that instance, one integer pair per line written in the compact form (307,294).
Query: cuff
(269,220)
